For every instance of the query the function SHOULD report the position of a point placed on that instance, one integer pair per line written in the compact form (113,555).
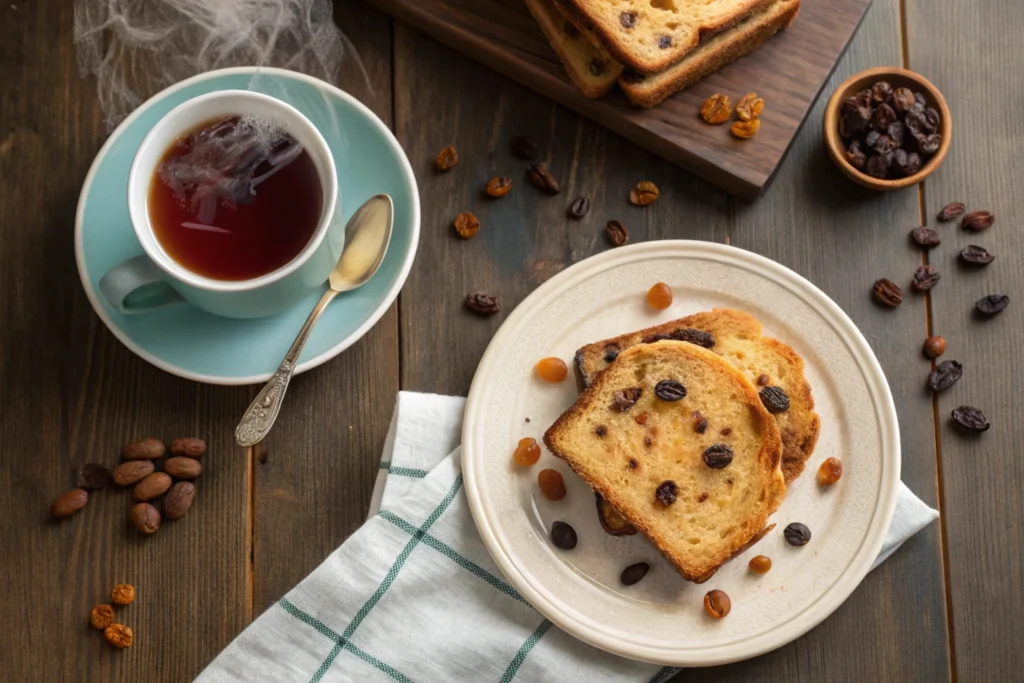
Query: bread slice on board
(638,446)
(589,66)
(712,54)
(651,35)
(736,336)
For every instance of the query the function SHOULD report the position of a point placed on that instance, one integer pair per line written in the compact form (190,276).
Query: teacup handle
(138,286)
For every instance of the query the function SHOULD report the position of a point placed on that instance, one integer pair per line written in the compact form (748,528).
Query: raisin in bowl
(887,128)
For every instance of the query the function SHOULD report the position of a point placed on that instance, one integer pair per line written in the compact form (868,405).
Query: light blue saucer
(191,343)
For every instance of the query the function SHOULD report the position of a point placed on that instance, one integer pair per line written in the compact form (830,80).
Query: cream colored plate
(661,619)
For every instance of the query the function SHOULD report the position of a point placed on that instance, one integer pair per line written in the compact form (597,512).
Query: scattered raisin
(797,534)
(887,293)
(524,147)
(551,484)
(601,430)
(925,277)
(666,493)
(664,42)
(119,636)
(644,194)
(763,380)
(775,399)
(926,237)
(563,536)
(659,296)
(760,564)
(616,233)
(716,109)
(579,208)
(633,464)
(123,594)
(830,471)
(749,107)
(552,369)
(951,211)
(945,375)
(542,179)
(498,186)
(718,456)
(627,19)
(527,452)
(976,221)
(974,255)
(101,616)
(483,304)
(669,390)
(934,347)
(700,424)
(992,304)
(466,225)
(717,604)
(633,573)
(626,398)
(611,352)
(93,477)
(970,419)
(745,129)
(446,159)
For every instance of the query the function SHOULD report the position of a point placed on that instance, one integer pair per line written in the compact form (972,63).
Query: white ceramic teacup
(154,280)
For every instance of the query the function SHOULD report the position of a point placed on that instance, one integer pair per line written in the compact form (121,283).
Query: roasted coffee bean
(976,221)
(880,92)
(945,375)
(644,194)
(616,233)
(579,208)
(797,534)
(926,237)
(855,155)
(718,456)
(145,518)
(611,352)
(666,493)
(627,19)
(887,293)
(93,477)
(132,472)
(179,499)
(633,573)
(626,398)
(524,147)
(563,536)
(775,399)
(934,347)
(181,467)
(542,179)
(878,166)
(717,604)
(146,449)
(902,100)
(69,503)
(760,564)
(483,304)
(976,256)
(970,419)
(883,116)
(925,277)
(669,390)
(190,447)
(951,211)
(498,186)
(992,304)
(153,486)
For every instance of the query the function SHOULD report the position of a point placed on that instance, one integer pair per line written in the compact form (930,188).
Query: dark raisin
(597,66)
(895,131)
(797,534)
(483,304)
(926,237)
(970,419)
(664,42)
(930,144)
(976,256)
(945,375)
(882,117)
(856,115)
(763,380)
(700,425)
(886,292)
(633,463)
(880,92)
(626,398)
(563,536)
(93,477)
(633,573)
(627,19)
(666,493)
(992,304)
(579,208)
(694,336)
(669,390)
(611,352)
(925,277)
(718,456)
(906,163)
(878,166)
(902,100)
(601,430)
(542,179)
(651,338)
(855,155)
(932,119)
(976,221)
(919,99)
(951,211)
(616,233)
(775,399)
(885,145)
(524,147)
(872,138)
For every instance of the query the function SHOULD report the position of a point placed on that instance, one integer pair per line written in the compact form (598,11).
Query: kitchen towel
(413,596)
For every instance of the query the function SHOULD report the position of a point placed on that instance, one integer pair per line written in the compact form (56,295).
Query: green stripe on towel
(520,657)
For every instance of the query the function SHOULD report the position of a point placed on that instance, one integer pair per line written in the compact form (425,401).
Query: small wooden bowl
(898,78)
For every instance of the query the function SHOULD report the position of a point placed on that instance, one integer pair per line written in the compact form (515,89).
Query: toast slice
(652,35)
(637,445)
(589,65)
(737,337)
(712,54)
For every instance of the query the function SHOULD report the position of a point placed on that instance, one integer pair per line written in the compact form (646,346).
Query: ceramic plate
(661,619)
(191,343)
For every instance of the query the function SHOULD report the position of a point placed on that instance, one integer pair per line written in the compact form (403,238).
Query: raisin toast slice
(736,336)
(699,497)
(589,65)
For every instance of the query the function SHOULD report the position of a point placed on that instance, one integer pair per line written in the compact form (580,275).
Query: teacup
(155,279)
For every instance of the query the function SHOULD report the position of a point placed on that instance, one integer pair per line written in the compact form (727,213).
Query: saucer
(191,343)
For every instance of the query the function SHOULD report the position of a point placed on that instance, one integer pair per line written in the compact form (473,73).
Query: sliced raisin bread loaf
(589,66)
(634,436)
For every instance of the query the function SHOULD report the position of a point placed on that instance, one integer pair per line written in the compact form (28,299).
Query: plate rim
(344,343)
(890,472)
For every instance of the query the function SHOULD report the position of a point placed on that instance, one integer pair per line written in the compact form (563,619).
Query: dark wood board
(788,72)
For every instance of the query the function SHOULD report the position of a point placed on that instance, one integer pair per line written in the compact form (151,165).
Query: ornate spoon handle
(260,415)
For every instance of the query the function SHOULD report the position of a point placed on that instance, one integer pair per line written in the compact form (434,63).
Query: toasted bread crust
(576,57)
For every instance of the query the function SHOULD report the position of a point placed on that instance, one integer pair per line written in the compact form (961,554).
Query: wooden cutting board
(788,72)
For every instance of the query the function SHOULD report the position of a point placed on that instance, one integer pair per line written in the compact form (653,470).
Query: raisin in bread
(651,35)
(712,54)
(700,498)
(589,66)
(737,337)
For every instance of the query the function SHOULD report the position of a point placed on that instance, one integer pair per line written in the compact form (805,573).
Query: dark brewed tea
(234,199)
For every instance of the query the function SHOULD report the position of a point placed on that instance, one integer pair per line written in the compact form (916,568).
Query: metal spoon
(366,240)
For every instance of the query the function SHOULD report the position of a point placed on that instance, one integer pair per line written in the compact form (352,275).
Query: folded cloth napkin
(413,595)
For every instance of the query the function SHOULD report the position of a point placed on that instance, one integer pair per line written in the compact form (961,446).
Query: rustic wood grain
(321,459)
(971,52)
(788,72)
(71,394)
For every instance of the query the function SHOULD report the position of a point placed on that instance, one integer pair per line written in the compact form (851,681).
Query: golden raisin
(498,186)
(760,564)
(830,472)
(659,296)
(552,369)
(551,484)
(467,225)
(749,107)
(745,129)
(527,452)
(644,194)
(119,636)
(717,604)
(716,109)
(101,616)
(446,158)
(123,594)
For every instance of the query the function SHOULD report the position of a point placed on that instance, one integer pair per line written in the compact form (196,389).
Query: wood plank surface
(788,72)
(971,51)
(70,393)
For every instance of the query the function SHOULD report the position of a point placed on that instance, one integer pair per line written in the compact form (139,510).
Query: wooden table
(947,606)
